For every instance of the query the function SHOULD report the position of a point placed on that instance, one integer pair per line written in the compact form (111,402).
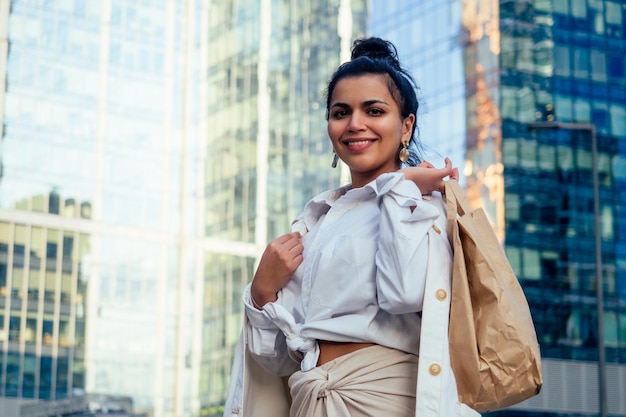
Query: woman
(334,304)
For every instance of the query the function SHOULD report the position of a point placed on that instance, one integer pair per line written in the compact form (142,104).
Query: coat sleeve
(234,395)
(252,390)
(266,341)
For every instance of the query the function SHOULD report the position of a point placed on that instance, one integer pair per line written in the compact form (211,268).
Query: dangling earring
(335,160)
(404,152)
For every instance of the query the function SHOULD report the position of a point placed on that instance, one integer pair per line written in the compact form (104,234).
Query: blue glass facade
(560,65)
(522,62)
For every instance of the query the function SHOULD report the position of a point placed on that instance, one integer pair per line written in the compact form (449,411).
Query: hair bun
(376,48)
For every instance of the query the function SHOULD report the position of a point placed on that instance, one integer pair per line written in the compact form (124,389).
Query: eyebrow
(364,104)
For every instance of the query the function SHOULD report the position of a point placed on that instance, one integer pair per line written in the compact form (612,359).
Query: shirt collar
(321,203)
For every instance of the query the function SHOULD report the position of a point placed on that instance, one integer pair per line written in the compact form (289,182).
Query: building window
(606,223)
(531,264)
(546,157)
(618,163)
(528,154)
(598,65)
(584,161)
(581,62)
(610,329)
(573,331)
(513,254)
(604,169)
(600,116)
(30,371)
(509,107)
(597,17)
(561,6)
(582,110)
(527,105)
(572,276)
(563,108)
(507,54)
(524,47)
(565,161)
(511,206)
(579,9)
(509,153)
(618,120)
(544,64)
(613,13)
(13,374)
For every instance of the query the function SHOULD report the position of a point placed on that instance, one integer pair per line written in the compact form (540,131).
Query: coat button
(434,369)
(441,294)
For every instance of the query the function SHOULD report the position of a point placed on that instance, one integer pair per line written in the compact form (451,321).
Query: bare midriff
(332,350)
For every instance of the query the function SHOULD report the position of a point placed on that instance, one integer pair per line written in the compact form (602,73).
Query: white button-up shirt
(362,278)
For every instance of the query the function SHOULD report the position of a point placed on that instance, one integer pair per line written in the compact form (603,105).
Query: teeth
(358,142)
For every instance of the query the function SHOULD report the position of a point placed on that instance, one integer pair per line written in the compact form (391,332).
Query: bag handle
(456,200)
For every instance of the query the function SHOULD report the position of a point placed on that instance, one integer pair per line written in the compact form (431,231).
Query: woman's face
(366,128)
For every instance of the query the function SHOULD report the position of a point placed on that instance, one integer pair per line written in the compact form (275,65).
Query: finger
(426,164)
(455,174)
(287,237)
(282,239)
(296,261)
(292,247)
(296,248)
(441,173)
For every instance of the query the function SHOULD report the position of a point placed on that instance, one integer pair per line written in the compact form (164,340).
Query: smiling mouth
(358,143)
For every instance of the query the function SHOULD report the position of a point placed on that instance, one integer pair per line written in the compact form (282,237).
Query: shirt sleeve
(266,342)
(402,254)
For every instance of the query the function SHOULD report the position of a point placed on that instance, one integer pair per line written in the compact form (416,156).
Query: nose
(357,122)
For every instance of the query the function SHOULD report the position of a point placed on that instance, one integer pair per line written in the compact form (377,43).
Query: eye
(338,114)
(376,111)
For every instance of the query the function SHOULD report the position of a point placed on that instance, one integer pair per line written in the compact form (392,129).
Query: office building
(81,406)
(100,284)
(268,151)
(540,61)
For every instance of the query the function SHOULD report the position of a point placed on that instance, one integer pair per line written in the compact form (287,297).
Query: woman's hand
(428,178)
(280,260)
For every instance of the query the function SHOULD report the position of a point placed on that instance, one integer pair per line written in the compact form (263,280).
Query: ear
(407,127)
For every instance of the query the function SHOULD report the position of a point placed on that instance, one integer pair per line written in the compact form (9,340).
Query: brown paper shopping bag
(493,344)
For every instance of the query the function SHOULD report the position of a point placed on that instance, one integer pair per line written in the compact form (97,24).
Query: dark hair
(378,56)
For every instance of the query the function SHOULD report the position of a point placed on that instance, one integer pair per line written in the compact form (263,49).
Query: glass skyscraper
(268,151)
(564,61)
(100,280)
(522,62)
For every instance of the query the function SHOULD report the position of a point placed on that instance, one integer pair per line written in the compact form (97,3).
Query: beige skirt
(371,382)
